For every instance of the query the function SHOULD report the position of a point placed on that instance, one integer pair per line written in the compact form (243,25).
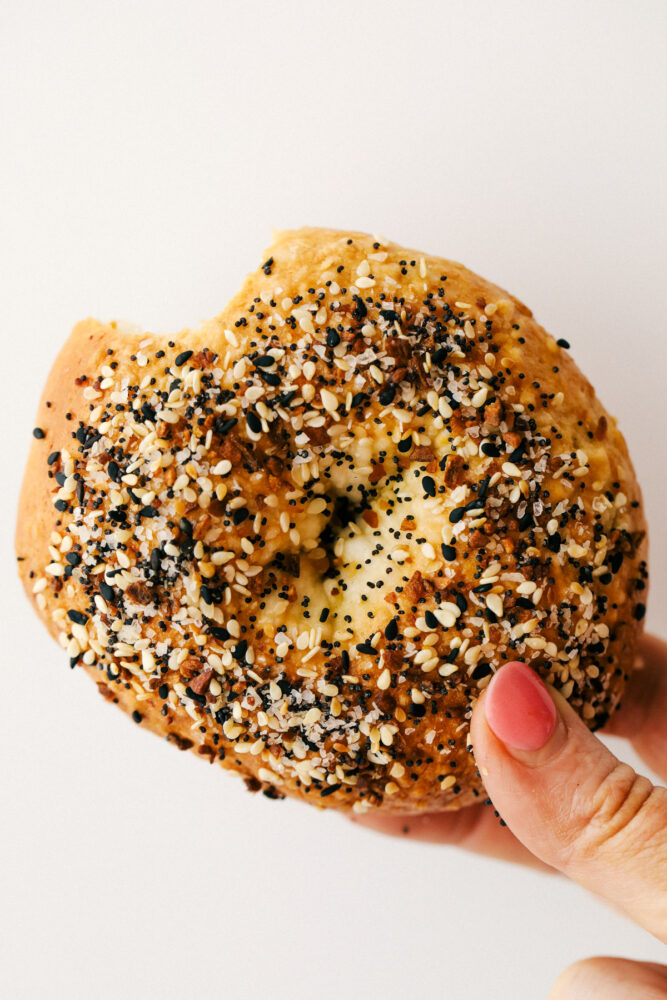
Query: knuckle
(614,814)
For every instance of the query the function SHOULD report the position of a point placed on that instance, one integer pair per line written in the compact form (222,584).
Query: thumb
(568,799)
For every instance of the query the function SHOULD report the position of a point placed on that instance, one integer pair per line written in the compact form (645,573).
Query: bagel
(300,539)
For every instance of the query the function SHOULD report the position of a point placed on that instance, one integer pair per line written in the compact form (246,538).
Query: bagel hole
(345,510)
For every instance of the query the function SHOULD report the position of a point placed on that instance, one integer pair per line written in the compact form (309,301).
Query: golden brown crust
(306,564)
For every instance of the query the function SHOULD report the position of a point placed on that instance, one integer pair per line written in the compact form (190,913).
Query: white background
(148,149)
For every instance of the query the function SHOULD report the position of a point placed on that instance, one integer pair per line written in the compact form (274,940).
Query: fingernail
(519,708)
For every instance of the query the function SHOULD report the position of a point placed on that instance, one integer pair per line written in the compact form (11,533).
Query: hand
(570,805)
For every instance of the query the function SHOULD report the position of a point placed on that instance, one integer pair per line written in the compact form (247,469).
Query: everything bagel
(300,539)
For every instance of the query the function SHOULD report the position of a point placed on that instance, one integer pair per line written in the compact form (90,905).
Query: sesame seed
(384,680)
(329,401)
(494,603)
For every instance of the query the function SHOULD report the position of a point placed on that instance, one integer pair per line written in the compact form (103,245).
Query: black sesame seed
(448,552)
(391,631)
(457,514)
(429,486)
(219,633)
(223,426)
(182,358)
(360,309)
(405,445)
(240,650)
(616,562)
(329,790)
(77,616)
(254,423)
(38,433)
(519,453)
(481,670)
(554,542)
(461,603)
(199,699)
(137,716)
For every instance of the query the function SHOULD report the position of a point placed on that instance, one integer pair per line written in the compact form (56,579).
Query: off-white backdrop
(148,149)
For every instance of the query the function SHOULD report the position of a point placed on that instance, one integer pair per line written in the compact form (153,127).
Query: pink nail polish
(519,709)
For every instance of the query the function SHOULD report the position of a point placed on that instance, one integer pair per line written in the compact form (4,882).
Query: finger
(476,828)
(613,979)
(568,799)
(643,713)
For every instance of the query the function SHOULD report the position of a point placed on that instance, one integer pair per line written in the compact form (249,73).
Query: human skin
(606,829)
